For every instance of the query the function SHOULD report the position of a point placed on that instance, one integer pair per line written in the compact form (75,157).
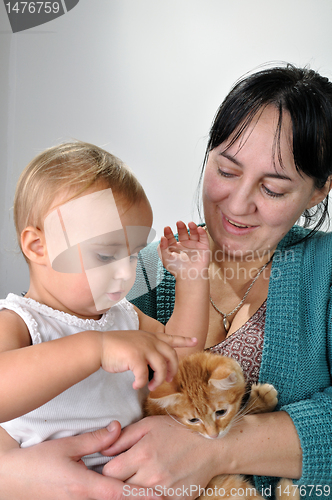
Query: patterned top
(246,345)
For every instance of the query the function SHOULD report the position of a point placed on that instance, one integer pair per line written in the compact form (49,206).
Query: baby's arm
(30,375)
(188,260)
(6,442)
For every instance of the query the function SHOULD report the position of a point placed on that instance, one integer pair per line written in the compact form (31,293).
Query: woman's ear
(320,194)
(34,245)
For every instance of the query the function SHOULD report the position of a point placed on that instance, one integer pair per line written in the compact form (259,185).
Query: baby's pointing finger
(177,340)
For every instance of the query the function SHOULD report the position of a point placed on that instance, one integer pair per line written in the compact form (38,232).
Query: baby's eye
(134,257)
(105,258)
(193,420)
(221,413)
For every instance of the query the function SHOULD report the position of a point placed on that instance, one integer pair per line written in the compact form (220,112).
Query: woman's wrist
(265,444)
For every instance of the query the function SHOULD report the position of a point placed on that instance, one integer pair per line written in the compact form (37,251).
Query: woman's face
(250,200)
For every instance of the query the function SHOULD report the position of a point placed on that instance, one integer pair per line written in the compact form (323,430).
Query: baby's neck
(52,302)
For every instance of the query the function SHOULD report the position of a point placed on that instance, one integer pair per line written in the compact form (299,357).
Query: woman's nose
(241,200)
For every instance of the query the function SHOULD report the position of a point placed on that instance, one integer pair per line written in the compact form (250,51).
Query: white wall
(142,78)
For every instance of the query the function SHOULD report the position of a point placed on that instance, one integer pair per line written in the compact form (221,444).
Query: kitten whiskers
(175,420)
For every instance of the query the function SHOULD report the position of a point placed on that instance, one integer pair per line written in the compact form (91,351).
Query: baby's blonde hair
(72,166)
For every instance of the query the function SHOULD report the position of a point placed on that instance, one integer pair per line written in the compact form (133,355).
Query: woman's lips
(236,227)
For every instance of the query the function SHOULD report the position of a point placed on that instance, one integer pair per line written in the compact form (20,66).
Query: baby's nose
(124,270)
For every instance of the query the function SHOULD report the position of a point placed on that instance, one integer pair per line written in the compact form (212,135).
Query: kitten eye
(221,413)
(193,420)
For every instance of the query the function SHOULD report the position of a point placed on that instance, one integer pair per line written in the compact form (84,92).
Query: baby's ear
(34,245)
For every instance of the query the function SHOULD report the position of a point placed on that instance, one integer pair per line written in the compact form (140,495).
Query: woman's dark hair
(307,96)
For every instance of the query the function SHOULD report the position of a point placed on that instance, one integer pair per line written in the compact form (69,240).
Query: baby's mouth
(115,296)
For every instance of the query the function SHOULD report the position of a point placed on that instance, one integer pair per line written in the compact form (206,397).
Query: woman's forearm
(264,445)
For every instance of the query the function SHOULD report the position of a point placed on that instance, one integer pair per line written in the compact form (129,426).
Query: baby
(74,353)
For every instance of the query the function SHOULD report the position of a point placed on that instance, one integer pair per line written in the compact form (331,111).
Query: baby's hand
(190,256)
(136,350)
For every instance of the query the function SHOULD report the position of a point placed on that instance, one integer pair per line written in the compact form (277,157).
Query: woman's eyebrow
(231,158)
(278,176)
(274,175)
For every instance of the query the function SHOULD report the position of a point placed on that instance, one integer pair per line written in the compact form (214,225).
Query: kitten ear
(224,384)
(166,401)
(165,395)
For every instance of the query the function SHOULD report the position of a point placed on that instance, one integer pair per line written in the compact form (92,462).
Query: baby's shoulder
(14,332)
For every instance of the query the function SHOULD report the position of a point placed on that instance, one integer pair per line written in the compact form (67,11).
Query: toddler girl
(74,353)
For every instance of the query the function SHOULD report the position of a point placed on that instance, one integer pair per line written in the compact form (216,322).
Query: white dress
(88,405)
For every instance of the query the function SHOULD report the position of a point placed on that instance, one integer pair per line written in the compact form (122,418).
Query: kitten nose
(212,432)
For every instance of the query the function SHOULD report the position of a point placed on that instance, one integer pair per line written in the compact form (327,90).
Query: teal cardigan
(297,352)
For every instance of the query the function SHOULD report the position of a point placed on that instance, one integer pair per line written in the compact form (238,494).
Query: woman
(268,160)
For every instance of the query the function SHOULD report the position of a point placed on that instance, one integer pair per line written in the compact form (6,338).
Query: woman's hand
(163,455)
(176,462)
(53,470)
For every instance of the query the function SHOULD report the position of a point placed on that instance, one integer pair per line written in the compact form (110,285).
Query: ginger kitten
(206,396)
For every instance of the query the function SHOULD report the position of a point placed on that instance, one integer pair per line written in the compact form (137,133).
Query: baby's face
(95,240)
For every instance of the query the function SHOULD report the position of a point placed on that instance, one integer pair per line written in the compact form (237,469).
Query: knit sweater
(297,352)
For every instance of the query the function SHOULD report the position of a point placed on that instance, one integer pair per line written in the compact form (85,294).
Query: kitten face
(212,422)
(205,395)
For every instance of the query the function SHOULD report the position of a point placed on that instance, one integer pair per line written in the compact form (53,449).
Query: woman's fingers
(91,442)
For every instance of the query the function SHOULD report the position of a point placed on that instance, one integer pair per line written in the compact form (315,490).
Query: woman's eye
(193,420)
(224,174)
(221,413)
(272,194)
